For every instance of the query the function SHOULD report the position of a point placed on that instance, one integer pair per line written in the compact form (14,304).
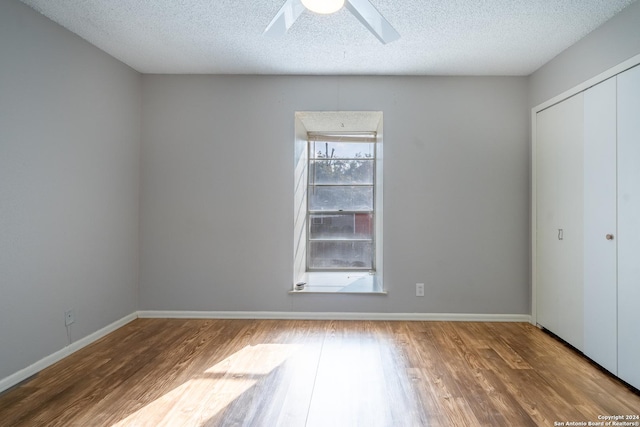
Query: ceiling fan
(366,13)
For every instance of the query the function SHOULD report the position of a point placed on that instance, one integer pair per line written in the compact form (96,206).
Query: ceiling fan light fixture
(324,7)
(363,10)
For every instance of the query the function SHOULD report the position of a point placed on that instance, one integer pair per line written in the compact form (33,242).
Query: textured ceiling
(438,37)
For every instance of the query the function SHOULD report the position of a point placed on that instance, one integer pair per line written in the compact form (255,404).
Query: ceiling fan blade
(284,19)
(369,16)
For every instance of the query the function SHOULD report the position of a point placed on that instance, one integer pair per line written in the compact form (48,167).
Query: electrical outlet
(69,317)
(419,289)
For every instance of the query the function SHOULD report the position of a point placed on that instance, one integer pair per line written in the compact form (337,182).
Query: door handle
(609,236)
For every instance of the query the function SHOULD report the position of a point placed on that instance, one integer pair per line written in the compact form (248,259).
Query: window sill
(320,290)
(341,283)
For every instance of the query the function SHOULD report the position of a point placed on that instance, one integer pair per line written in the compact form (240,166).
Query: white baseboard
(25,373)
(451,317)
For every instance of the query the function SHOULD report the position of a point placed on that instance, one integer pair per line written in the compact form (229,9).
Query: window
(338,202)
(341,201)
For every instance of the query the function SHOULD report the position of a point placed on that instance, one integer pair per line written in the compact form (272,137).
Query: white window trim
(320,282)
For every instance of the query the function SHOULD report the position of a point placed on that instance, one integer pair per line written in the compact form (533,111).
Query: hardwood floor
(169,372)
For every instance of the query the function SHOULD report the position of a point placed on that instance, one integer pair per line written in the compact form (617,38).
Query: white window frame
(341,281)
(342,137)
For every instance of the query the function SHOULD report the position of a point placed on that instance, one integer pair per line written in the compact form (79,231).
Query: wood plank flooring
(175,372)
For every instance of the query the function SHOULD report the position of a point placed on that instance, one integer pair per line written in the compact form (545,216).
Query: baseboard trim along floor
(286,315)
(47,361)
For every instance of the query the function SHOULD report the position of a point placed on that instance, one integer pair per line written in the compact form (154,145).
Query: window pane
(357,171)
(345,198)
(341,226)
(341,150)
(337,255)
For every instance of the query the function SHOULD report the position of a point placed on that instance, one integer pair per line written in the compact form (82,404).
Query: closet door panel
(547,214)
(600,263)
(629,226)
(559,225)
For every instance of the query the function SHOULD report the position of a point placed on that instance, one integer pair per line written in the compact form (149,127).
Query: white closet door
(559,225)
(629,226)
(600,263)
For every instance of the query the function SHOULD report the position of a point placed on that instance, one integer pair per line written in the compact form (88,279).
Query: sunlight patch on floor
(199,399)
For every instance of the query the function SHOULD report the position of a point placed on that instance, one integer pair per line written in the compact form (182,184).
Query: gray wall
(217,192)
(69,165)
(612,43)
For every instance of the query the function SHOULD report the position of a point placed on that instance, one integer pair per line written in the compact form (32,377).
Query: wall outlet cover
(69,317)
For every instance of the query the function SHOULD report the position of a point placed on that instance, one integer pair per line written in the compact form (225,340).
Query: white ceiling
(438,37)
